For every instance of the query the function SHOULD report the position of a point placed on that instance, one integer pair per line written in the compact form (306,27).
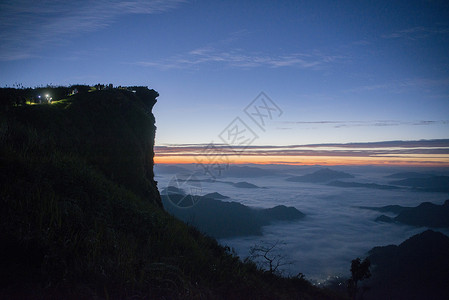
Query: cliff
(112,130)
(82,218)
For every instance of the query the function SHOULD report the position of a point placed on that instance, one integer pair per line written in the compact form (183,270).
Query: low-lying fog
(334,231)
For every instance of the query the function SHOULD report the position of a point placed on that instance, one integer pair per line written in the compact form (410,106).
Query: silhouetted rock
(428,184)
(321,176)
(416,269)
(362,185)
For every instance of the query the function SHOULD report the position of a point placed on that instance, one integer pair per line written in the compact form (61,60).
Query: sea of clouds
(334,231)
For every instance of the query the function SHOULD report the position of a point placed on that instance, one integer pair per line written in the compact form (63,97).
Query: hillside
(82,218)
(416,269)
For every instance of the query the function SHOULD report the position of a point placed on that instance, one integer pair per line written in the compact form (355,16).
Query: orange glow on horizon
(400,153)
(402,160)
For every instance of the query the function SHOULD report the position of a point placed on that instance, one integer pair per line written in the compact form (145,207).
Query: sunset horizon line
(434,152)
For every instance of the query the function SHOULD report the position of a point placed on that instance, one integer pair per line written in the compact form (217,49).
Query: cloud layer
(335,230)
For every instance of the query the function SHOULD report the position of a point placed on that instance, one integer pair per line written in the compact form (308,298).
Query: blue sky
(339,71)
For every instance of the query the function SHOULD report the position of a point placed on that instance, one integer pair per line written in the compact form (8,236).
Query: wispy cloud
(243,59)
(435,151)
(415,33)
(388,145)
(27,25)
(374,123)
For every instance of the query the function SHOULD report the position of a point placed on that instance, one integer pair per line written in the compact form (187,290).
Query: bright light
(46,96)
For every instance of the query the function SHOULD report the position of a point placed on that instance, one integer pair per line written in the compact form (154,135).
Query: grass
(81,214)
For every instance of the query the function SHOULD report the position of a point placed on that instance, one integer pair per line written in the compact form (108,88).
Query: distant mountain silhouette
(280,213)
(362,185)
(170,169)
(245,185)
(320,176)
(426,214)
(416,269)
(221,219)
(216,196)
(388,208)
(191,179)
(428,184)
(247,172)
(404,175)
(242,184)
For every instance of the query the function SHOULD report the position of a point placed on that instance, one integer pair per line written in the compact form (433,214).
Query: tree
(268,257)
(359,271)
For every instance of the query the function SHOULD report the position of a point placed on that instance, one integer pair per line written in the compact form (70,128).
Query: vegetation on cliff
(82,217)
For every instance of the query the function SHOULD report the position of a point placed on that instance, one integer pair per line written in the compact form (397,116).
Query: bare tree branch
(267,255)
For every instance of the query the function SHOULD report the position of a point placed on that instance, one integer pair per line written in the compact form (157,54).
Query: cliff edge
(81,216)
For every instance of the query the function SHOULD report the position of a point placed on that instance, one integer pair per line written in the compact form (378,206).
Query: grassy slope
(81,216)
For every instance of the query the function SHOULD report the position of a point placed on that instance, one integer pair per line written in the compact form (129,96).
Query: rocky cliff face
(122,137)
(111,130)
(77,192)
(116,132)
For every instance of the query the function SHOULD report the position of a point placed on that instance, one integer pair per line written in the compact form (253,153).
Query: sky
(246,75)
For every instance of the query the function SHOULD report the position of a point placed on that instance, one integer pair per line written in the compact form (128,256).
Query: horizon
(424,153)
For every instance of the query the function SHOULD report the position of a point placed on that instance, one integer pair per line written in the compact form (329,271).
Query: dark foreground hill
(416,269)
(81,216)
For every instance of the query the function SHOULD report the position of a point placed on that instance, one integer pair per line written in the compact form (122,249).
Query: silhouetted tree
(267,255)
(359,271)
